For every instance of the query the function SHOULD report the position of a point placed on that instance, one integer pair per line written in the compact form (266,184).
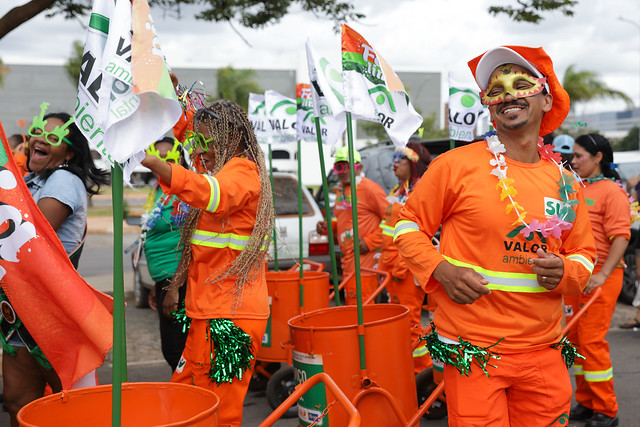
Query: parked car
(285,190)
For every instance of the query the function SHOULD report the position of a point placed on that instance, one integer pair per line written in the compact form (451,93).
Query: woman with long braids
(609,211)
(61,176)
(225,240)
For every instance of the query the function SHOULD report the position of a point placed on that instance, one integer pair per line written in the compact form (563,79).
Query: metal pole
(119,374)
(275,233)
(356,239)
(327,214)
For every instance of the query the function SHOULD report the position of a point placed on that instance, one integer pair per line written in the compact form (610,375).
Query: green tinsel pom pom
(231,351)
(181,318)
(568,350)
(462,355)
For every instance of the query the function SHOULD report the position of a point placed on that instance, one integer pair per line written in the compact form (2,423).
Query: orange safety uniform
(21,162)
(229,201)
(459,192)
(372,205)
(402,288)
(609,212)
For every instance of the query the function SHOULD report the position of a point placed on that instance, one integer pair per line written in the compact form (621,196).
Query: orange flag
(68,319)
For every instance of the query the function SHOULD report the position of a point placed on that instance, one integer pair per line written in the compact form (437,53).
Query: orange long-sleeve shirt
(608,206)
(390,260)
(459,192)
(229,201)
(372,204)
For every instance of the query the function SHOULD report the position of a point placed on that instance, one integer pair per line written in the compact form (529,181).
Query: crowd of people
(526,234)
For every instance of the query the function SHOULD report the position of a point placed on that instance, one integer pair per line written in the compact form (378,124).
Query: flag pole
(300,232)
(275,234)
(119,373)
(356,240)
(327,212)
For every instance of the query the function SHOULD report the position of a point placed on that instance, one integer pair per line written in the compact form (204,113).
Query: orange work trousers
(526,389)
(405,292)
(193,368)
(594,374)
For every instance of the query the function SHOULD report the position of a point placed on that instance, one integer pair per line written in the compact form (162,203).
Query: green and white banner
(281,116)
(257,112)
(465,110)
(373,91)
(326,94)
(125,100)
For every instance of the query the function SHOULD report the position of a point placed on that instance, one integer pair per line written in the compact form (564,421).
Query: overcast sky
(412,35)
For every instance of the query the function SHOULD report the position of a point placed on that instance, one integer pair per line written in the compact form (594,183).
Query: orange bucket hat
(537,61)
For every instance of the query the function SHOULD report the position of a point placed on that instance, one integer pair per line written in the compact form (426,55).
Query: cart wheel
(281,384)
(425,386)
(261,374)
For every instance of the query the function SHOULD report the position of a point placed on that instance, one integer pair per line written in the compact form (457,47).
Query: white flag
(281,116)
(373,91)
(328,101)
(465,109)
(257,113)
(126,100)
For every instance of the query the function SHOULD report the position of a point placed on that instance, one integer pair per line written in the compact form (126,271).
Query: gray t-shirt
(68,189)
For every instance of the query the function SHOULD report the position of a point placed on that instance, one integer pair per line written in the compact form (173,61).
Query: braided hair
(595,143)
(233,136)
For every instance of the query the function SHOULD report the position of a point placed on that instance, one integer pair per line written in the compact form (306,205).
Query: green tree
(236,85)
(249,13)
(586,86)
(629,142)
(72,67)
(531,10)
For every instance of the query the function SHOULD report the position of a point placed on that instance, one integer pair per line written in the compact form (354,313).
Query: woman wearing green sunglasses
(61,176)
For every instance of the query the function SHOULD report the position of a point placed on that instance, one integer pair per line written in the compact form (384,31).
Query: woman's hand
(595,282)
(158,167)
(170,302)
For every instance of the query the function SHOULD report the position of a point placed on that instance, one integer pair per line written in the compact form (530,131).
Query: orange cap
(531,58)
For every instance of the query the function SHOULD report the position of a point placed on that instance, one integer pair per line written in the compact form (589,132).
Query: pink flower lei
(552,226)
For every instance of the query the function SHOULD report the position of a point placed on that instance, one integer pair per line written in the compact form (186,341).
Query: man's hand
(549,268)
(321,228)
(363,246)
(463,285)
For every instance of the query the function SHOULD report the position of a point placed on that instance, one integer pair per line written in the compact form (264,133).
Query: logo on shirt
(553,207)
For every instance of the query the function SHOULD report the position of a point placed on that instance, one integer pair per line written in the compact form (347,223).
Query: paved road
(145,362)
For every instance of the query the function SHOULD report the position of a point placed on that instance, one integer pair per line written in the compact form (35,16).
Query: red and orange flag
(68,319)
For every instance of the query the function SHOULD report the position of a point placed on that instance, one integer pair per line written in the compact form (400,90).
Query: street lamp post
(635,24)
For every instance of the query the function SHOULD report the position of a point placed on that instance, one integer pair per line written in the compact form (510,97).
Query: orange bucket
(368,284)
(284,299)
(143,404)
(326,340)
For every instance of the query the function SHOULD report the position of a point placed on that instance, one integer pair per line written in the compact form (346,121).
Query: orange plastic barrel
(143,404)
(326,340)
(284,298)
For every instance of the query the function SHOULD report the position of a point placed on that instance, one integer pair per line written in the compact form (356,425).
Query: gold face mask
(515,83)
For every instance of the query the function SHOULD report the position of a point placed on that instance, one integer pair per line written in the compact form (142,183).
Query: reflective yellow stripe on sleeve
(582,260)
(403,227)
(214,198)
(387,230)
(505,281)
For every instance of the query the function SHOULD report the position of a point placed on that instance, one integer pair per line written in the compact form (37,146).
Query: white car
(314,246)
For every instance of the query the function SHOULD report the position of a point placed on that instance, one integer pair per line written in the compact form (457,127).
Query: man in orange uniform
(372,205)
(515,237)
